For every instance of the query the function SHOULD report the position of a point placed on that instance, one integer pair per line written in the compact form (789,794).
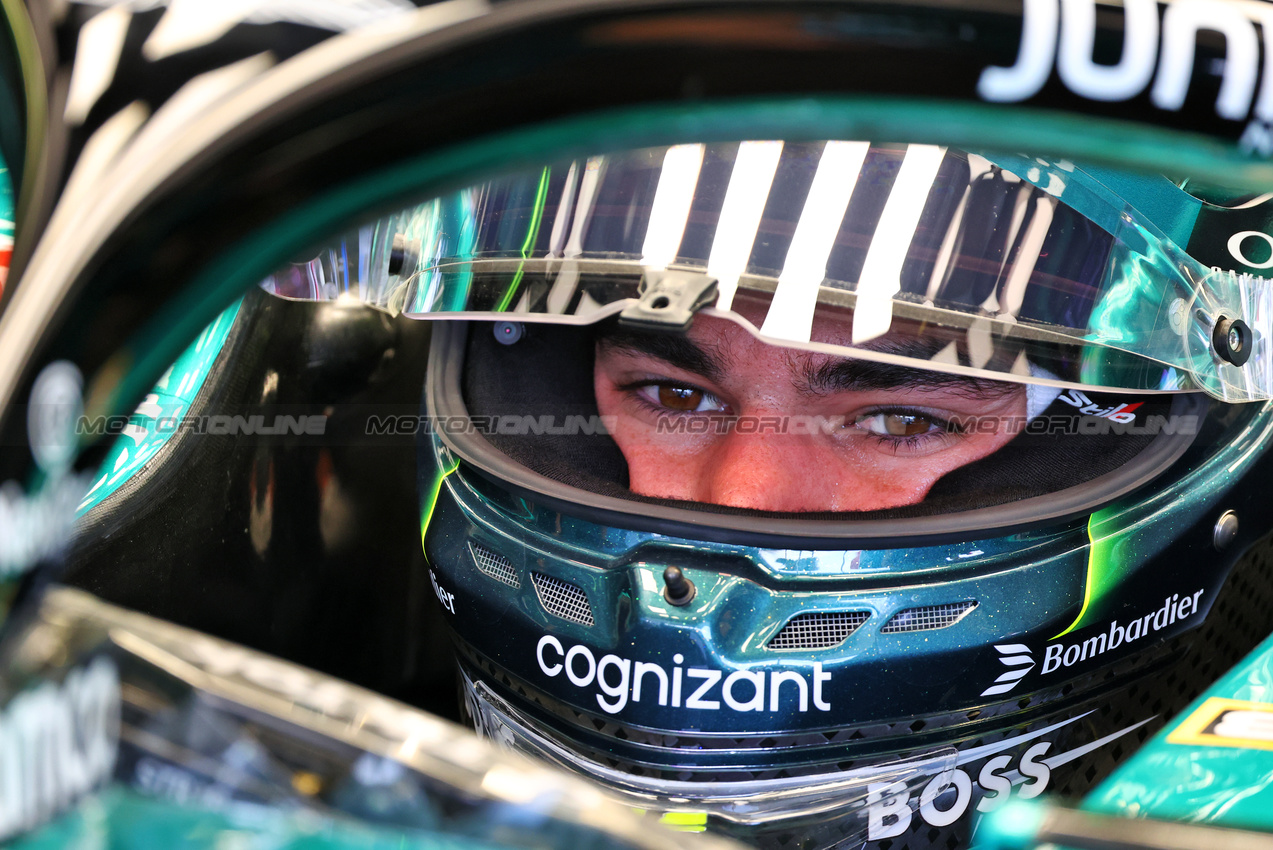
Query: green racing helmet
(828,492)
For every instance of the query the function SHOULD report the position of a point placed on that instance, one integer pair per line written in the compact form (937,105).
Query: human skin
(896,441)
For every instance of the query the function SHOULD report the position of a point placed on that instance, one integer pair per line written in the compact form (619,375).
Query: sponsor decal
(36,527)
(446,597)
(1020,660)
(55,405)
(1174,609)
(622,679)
(1122,413)
(1061,34)
(57,741)
(1017,658)
(1223,722)
(1240,248)
(891,808)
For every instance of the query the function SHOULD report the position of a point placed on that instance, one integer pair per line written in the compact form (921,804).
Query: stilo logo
(1019,661)
(1122,413)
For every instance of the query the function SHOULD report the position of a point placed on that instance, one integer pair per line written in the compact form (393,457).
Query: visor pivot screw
(1178,315)
(1226,530)
(509,332)
(1232,340)
(679,590)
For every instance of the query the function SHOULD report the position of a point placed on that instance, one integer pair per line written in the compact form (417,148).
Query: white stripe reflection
(592,175)
(977,166)
(749,185)
(671,207)
(882,273)
(791,313)
(1013,295)
(567,279)
(557,241)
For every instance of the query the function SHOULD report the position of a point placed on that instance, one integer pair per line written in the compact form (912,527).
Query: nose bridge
(755,468)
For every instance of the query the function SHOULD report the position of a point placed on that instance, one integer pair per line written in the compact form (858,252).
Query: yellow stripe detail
(686,821)
(1087,584)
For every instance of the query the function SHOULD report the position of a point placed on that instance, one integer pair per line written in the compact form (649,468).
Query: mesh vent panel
(563,599)
(495,565)
(818,630)
(928,617)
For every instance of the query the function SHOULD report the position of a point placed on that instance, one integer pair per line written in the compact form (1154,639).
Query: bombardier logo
(1174,609)
(1020,660)
(1017,657)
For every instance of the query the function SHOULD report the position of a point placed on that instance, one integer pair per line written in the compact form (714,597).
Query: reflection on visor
(1008,261)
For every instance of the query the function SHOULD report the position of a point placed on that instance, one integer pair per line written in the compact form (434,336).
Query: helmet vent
(495,565)
(818,630)
(929,617)
(563,599)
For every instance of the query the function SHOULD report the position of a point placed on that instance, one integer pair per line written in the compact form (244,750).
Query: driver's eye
(680,398)
(897,424)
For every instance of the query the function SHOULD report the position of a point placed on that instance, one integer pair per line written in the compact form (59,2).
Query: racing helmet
(836,492)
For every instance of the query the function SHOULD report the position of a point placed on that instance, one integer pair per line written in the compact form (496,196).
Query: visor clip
(401,257)
(1232,339)
(678,589)
(668,300)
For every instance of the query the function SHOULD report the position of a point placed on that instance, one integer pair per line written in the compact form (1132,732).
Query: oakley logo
(1123,413)
(1062,33)
(1017,658)
(621,679)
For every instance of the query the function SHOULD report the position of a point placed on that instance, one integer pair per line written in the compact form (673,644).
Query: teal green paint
(1225,786)
(1171,209)
(967,125)
(158,419)
(1012,827)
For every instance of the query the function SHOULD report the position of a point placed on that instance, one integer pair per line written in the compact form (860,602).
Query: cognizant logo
(621,679)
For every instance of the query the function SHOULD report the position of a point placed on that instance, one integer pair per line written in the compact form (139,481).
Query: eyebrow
(830,376)
(848,375)
(672,349)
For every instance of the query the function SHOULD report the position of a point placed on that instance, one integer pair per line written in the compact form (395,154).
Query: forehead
(832,325)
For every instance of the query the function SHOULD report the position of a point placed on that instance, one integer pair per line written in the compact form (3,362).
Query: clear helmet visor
(812,329)
(994,266)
